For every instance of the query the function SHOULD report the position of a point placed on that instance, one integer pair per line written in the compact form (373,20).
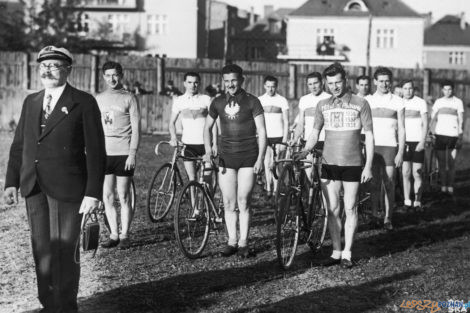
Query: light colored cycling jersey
(193,110)
(447,110)
(308,105)
(414,108)
(119,112)
(385,110)
(343,118)
(273,108)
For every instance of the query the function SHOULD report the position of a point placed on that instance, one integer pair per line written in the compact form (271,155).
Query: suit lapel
(61,110)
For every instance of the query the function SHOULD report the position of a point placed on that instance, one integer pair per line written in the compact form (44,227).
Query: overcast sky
(439,8)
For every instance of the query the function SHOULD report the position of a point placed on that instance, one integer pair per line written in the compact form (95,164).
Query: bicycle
(198,212)
(300,208)
(164,184)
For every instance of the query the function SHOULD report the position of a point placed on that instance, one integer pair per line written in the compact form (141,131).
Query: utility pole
(369,35)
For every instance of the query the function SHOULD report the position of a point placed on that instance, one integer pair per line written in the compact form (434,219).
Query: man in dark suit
(57,160)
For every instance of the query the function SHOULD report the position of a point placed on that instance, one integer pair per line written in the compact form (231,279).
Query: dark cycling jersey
(237,122)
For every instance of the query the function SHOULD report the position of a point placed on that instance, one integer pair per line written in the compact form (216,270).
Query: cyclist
(447,126)
(389,132)
(242,153)
(416,124)
(276,115)
(307,108)
(120,115)
(342,116)
(193,108)
(363,86)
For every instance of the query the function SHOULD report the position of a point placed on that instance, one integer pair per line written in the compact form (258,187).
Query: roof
(260,29)
(378,8)
(447,32)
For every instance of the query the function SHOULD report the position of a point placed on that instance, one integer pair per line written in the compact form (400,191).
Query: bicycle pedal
(219,220)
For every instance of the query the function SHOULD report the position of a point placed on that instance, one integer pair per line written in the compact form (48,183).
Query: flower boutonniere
(64,109)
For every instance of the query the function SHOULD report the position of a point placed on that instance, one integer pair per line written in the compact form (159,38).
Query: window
(325,35)
(157,24)
(354,7)
(119,23)
(385,38)
(457,58)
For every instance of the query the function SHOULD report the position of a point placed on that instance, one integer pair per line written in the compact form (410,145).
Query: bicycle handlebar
(157,147)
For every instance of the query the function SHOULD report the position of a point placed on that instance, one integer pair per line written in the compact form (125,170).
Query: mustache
(47,75)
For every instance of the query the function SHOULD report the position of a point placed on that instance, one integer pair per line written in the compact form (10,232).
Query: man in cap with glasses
(57,160)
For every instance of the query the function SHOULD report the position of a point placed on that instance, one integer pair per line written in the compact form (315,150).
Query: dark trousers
(55,227)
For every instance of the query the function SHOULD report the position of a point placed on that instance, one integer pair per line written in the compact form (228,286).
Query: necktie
(47,110)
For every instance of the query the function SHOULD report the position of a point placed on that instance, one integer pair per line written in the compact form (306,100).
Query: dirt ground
(426,257)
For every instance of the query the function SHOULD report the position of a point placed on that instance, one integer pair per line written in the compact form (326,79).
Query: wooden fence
(19,76)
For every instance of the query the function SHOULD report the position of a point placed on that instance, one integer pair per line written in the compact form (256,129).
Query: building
(447,43)
(342,30)
(264,39)
(224,23)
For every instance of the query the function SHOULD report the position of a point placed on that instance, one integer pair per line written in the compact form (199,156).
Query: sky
(439,8)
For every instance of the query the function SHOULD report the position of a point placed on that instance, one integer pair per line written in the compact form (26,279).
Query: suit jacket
(68,159)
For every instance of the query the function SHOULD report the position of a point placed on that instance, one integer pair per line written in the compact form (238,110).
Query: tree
(52,22)
(11,28)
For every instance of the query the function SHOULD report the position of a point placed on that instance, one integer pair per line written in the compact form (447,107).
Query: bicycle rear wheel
(287,221)
(192,220)
(161,193)
(319,220)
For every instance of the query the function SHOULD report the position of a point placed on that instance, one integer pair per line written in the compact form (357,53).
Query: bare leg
(123,184)
(350,207)
(228,187)
(376,188)
(247,176)
(267,169)
(331,191)
(108,200)
(406,173)
(418,181)
(389,183)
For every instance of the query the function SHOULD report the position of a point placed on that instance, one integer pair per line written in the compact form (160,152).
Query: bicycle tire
(161,192)
(318,221)
(287,221)
(192,220)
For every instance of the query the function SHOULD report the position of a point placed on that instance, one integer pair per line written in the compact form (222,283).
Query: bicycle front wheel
(161,193)
(319,220)
(287,219)
(192,220)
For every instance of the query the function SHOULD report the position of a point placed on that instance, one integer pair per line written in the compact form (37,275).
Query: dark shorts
(237,161)
(411,155)
(384,156)
(342,173)
(194,151)
(319,145)
(445,142)
(274,141)
(115,165)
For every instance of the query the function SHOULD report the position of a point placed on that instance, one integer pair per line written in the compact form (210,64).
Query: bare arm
(299,128)
(207,137)
(401,138)
(172,128)
(460,118)
(424,131)
(262,141)
(367,172)
(134,112)
(285,124)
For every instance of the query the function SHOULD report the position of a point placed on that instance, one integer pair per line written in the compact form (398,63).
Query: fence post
(26,71)
(362,71)
(160,74)
(292,81)
(94,74)
(426,83)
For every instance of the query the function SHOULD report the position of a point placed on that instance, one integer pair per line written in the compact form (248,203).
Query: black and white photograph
(243,156)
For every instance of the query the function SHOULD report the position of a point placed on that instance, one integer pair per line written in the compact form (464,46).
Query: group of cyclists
(392,130)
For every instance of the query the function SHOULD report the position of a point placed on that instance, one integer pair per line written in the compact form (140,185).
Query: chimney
(427,19)
(268,10)
(463,23)
(252,16)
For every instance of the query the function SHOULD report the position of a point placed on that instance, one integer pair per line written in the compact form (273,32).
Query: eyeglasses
(51,67)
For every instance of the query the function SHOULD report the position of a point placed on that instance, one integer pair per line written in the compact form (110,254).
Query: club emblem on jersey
(108,118)
(232,109)
(337,119)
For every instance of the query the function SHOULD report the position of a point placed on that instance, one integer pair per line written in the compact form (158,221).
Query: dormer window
(356,6)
